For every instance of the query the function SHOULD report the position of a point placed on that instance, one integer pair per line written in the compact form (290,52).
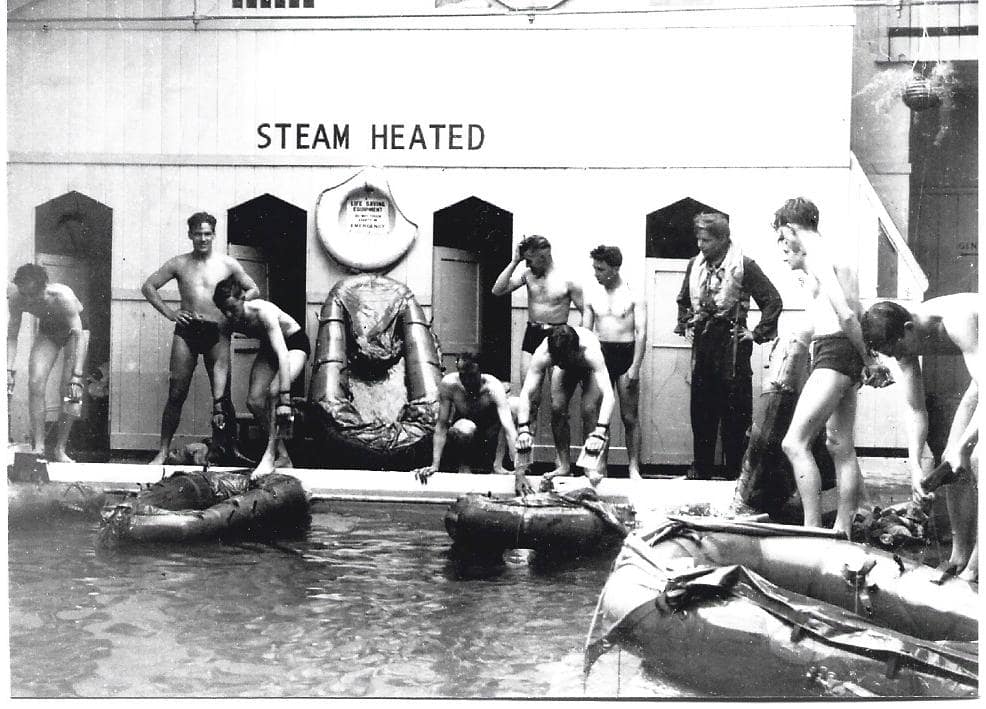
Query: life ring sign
(360,224)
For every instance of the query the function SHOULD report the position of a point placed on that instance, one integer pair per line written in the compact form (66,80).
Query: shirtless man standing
(577,359)
(550,295)
(619,317)
(60,327)
(473,411)
(946,325)
(840,363)
(197,320)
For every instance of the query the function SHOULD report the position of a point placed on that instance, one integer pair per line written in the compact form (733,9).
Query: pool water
(369,602)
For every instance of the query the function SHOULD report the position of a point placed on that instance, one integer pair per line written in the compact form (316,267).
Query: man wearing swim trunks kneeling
(473,412)
(940,326)
(197,320)
(60,328)
(284,349)
(619,317)
(577,359)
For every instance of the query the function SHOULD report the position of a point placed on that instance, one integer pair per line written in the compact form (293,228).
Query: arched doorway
(73,241)
(472,244)
(667,440)
(268,236)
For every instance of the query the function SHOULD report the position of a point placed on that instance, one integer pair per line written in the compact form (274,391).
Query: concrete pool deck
(651,497)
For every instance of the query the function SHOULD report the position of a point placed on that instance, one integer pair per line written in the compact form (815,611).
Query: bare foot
(264,467)
(502,471)
(635,474)
(970,575)
(557,472)
(62,457)
(283,461)
(159,458)
(595,477)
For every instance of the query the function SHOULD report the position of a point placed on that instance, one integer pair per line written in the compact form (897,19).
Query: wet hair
(198,218)
(467,359)
(30,273)
(563,343)
(226,289)
(610,255)
(798,211)
(534,242)
(883,324)
(715,224)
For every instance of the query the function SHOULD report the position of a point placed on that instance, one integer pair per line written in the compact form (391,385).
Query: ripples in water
(370,601)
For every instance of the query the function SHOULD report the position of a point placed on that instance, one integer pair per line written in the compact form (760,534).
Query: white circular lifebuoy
(361,226)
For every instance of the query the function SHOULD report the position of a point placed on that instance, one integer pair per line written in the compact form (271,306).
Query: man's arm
(835,283)
(576,295)
(588,315)
(13,330)
(639,337)
(508,280)
(441,426)
(684,303)
(532,384)
(915,419)
(150,289)
(766,297)
(249,286)
(506,419)
(960,443)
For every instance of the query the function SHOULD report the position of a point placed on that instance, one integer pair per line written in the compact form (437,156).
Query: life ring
(360,225)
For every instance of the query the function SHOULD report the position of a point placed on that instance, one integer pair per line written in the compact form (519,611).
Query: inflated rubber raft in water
(373,397)
(199,505)
(33,498)
(550,523)
(730,609)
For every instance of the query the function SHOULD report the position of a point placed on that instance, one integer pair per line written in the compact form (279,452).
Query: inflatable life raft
(373,397)
(32,497)
(547,522)
(745,610)
(199,505)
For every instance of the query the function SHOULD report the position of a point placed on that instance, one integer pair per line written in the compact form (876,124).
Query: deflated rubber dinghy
(200,505)
(373,397)
(732,609)
(550,523)
(33,498)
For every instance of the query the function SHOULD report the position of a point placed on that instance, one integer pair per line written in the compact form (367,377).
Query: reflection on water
(368,602)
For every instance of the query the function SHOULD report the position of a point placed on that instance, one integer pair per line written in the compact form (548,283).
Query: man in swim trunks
(61,328)
(284,349)
(946,325)
(197,320)
(712,311)
(473,412)
(840,362)
(619,318)
(577,358)
(550,296)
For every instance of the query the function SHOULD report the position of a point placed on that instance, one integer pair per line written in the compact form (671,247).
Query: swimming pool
(367,603)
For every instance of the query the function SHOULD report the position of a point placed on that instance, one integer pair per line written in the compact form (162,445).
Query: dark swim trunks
(837,352)
(535,334)
(618,356)
(56,331)
(295,341)
(200,335)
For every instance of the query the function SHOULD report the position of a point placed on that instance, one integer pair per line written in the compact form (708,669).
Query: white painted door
(243,349)
(666,371)
(73,272)
(456,300)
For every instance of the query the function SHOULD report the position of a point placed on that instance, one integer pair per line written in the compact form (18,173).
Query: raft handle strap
(322,321)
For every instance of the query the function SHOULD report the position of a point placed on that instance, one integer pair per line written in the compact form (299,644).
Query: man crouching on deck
(578,359)
(283,351)
(473,411)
